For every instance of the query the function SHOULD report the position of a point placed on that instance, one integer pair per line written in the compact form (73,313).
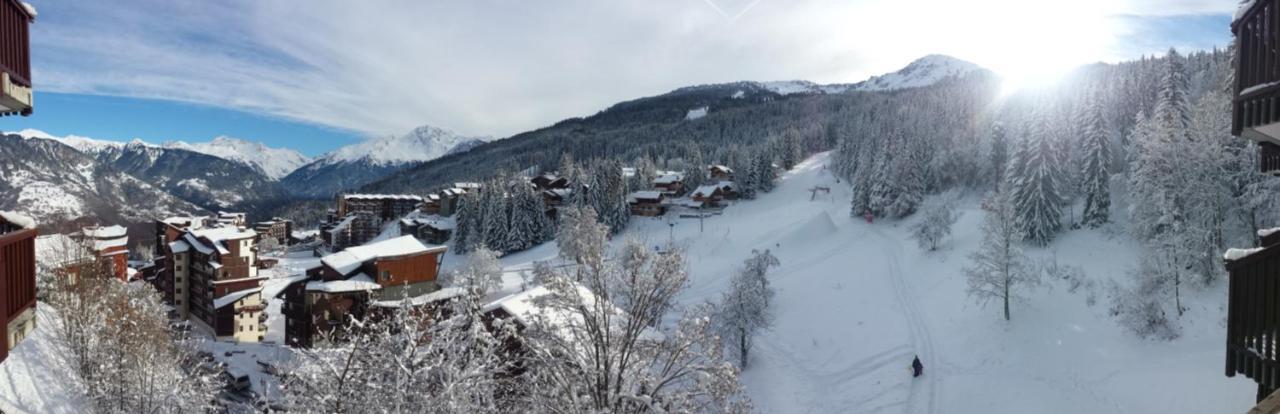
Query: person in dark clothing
(917,367)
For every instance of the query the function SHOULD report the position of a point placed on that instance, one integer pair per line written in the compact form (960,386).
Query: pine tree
(466,233)
(1097,168)
(999,153)
(1036,194)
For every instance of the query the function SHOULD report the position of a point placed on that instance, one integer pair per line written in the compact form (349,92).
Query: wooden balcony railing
(15,50)
(1257,34)
(1253,318)
(1269,158)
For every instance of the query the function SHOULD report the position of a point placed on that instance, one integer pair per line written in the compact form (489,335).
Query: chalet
(211,279)
(709,195)
(277,228)
(670,183)
(647,203)
(231,219)
(1253,301)
(17,278)
(343,285)
(449,200)
(549,181)
(15,58)
(432,229)
(111,246)
(720,173)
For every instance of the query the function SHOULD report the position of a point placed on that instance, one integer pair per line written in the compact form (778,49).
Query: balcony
(15,58)
(1256,108)
(1253,315)
(1269,158)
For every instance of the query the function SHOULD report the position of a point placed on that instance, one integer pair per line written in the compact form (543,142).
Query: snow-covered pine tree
(523,230)
(466,233)
(907,183)
(764,170)
(1096,177)
(495,215)
(792,153)
(1036,195)
(999,155)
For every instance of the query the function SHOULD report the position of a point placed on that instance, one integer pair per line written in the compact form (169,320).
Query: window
(386,275)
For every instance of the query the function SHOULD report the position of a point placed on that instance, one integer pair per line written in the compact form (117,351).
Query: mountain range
(63,178)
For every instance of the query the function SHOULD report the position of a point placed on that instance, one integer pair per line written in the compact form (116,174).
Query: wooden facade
(15,58)
(18,280)
(1253,317)
(1256,106)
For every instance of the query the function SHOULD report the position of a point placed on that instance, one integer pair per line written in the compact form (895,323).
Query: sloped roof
(357,283)
(348,260)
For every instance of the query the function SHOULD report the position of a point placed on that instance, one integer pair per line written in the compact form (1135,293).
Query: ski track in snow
(921,339)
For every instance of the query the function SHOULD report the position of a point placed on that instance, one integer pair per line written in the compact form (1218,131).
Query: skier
(916,367)
(869,216)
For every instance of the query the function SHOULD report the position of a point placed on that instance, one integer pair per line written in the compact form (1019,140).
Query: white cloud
(497,67)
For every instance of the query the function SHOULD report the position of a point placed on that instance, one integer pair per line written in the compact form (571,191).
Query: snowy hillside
(83,144)
(423,143)
(273,162)
(36,378)
(856,301)
(925,71)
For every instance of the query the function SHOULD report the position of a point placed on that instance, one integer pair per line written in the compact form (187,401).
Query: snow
(102,245)
(644,195)
(1268,232)
(739,94)
(790,87)
(1256,88)
(1237,254)
(234,297)
(856,301)
(439,295)
(921,72)
(422,144)
(275,163)
(31,10)
(350,259)
(668,178)
(17,219)
(109,232)
(1242,9)
(382,197)
(83,144)
(37,377)
(696,113)
(357,283)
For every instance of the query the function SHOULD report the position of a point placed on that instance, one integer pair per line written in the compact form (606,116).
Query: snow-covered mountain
(272,162)
(56,183)
(925,71)
(922,72)
(358,164)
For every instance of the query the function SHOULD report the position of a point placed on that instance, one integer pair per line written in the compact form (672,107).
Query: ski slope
(856,301)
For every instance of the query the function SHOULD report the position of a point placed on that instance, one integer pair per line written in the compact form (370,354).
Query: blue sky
(156,121)
(317,77)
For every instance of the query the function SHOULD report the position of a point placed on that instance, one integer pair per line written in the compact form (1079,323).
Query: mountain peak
(921,72)
(421,144)
(272,162)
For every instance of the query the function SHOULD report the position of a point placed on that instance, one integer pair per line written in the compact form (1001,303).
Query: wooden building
(17,279)
(1253,302)
(431,229)
(16,95)
(111,246)
(670,183)
(647,203)
(345,282)
(720,173)
(709,195)
(1256,107)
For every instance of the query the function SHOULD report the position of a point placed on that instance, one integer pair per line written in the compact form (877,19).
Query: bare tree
(999,269)
(600,347)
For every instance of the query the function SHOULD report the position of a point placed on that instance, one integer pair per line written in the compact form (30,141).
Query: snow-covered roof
(218,236)
(234,297)
(433,221)
(103,245)
(348,260)
(12,217)
(31,10)
(706,190)
(466,185)
(1237,254)
(644,195)
(722,168)
(179,246)
(437,296)
(189,222)
(357,283)
(668,178)
(1244,7)
(382,197)
(528,307)
(109,232)
(1268,232)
